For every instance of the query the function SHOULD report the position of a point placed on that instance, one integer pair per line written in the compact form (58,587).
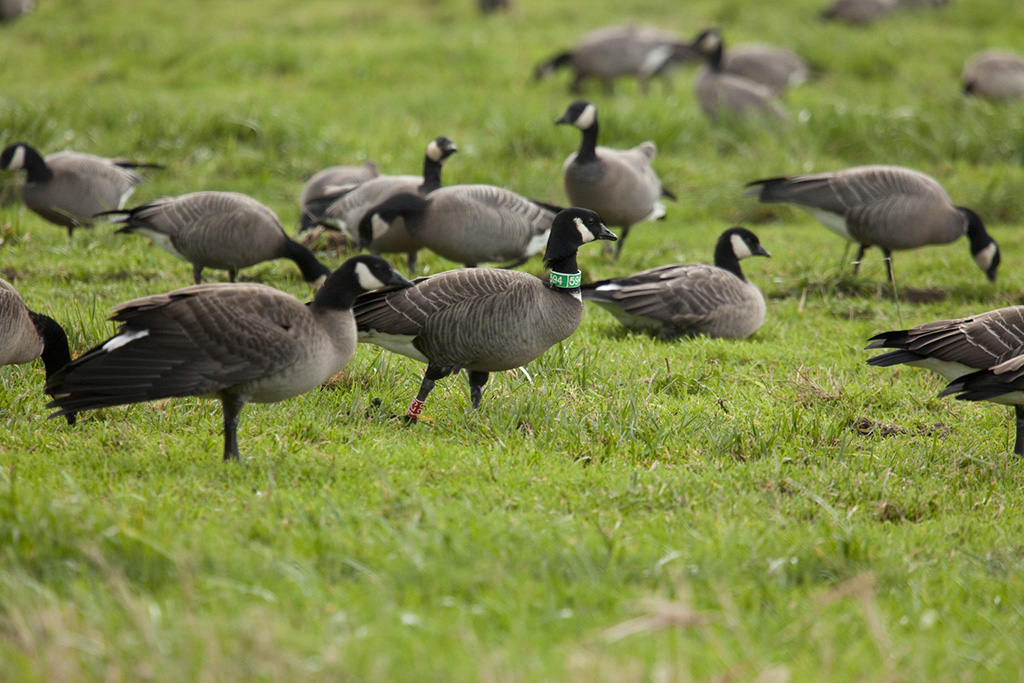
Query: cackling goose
(994,75)
(240,343)
(982,357)
(347,212)
(608,53)
(26,335)
(483,320)
(722,93)
(619,185)
(12,9)
(324,187)
(690,300)
(776,68)
(223,230)
(890,207)
(468,224)
(70,188)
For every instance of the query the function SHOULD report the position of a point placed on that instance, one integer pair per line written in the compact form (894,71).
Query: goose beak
(398,281)
(604,233)
(761,251)
(564,118)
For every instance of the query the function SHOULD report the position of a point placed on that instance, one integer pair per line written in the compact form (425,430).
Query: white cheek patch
(367,280)
(585,234)
(740,247)
(434,151)
(710,43)
(984,257)
(586,118)
(18,159)
(379,225)
(122,339)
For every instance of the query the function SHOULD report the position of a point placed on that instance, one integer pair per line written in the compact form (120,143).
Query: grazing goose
(240,343)
(483,320)
(890,207)
(71,188)
(12,9)
(223,230)
(619,185)
(982,357)
(323,189)
(347,212)
(468,224)
(858,11)
(994,75)
(608,53)
(776,68)
(26,335)
(720,92)
(690,300)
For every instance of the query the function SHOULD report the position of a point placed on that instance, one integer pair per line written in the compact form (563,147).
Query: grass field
(768,510)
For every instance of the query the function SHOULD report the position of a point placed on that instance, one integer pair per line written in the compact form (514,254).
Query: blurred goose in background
(348,210)
(994,75)
(223,230)
(776,68)
(619,184)
(324,187)
(858,11)
(483,320)
(982,357)
(70,188)
(693,299)
(26,335)
(241,343)
(721,93)
(467,224)
(12,9)
(615,51)
(890,207)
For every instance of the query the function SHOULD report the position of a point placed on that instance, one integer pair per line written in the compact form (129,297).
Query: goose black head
(440,148)
(984,249)
(581,114)
(376,221)
(572,228)
(359,274)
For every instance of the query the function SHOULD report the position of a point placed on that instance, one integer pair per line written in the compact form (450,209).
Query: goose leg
(231,274)
(888,263)
(197,274)
(1019,446)
(477,380)
(430,377)
(412,262)
(860,257)
(622,240)
(232,408)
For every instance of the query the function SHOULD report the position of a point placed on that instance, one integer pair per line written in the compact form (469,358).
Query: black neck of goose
(56,353)
(715,57)
(976,232)
(35,166)
(725,257)
(588,147)
(312,269)
(431,175)
(339,290)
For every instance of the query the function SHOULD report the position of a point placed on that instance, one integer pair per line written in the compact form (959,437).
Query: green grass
(771,509)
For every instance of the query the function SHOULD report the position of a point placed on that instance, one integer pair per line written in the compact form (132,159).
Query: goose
(614,51)
(468,224)
(223,230)
(890,207)
(720,92)
(619,185)
(981,357)
(71,188)
(776,68)
(348,210)
(690,300)
(323,188)
(26,335)
(859,12)
(483,320)
(240,343)
(12,9)
(994,75)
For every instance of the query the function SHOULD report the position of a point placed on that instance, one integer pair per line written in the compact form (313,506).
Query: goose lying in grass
(483,320)
(694,299)
(239,343)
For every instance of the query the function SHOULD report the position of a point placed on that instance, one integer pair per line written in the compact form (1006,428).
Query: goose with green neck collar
(482,320)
